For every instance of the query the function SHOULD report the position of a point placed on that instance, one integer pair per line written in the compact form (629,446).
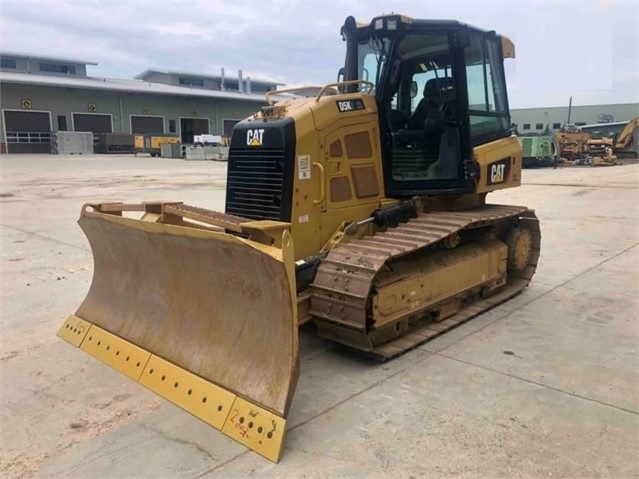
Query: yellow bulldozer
(361,208)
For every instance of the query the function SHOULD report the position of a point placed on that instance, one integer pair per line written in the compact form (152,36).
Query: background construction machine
(605,149)
(573,143)
(361,208)
(599,152)
(626,143)
(151,142)
(539,150)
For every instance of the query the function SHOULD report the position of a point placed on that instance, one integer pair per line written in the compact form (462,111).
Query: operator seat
(435,117)
(429,147)
(438,93)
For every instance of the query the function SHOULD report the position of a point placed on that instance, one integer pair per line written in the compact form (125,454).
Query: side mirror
(413,89)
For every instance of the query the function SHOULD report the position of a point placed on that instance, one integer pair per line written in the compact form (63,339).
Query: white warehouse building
(538,120)
(40,94)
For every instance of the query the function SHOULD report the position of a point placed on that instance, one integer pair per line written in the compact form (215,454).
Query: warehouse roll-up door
(193,126)
(92,122)
(27,131)
(228,127)
(147,124)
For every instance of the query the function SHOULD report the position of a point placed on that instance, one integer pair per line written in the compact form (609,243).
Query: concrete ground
(545,385)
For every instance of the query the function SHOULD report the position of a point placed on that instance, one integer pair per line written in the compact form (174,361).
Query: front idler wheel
(519,242)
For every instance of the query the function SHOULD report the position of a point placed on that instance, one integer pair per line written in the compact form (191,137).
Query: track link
(341,289)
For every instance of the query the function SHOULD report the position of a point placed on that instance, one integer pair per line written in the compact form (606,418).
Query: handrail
(322,89)
(350,82)
(287,90)
(322,184)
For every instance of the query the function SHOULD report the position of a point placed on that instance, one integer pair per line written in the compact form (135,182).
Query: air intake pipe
(349,33)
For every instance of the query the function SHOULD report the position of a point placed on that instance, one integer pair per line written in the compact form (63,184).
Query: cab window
(487,103)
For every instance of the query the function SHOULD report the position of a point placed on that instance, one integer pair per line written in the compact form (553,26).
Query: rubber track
(345,277)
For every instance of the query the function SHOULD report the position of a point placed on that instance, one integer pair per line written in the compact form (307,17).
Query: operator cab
(440,90)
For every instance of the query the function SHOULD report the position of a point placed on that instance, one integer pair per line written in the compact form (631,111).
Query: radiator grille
(255,183)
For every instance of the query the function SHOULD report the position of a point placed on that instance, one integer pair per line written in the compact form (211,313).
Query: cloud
(583,49)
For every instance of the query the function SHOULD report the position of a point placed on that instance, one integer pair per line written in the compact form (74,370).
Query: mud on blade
(204,318)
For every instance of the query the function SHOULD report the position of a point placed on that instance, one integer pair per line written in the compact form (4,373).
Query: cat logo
(498,171)
(254,137)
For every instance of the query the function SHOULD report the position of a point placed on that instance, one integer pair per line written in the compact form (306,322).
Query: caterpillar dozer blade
(204,317)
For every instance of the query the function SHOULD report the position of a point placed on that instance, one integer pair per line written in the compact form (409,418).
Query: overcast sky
(584,49)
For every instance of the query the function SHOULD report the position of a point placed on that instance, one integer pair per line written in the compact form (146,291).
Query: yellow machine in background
(599,152)
(152,142)
(361,208)
(627,142)
(572,142)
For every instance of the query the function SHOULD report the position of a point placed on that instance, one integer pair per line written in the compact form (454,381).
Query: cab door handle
(322,183)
